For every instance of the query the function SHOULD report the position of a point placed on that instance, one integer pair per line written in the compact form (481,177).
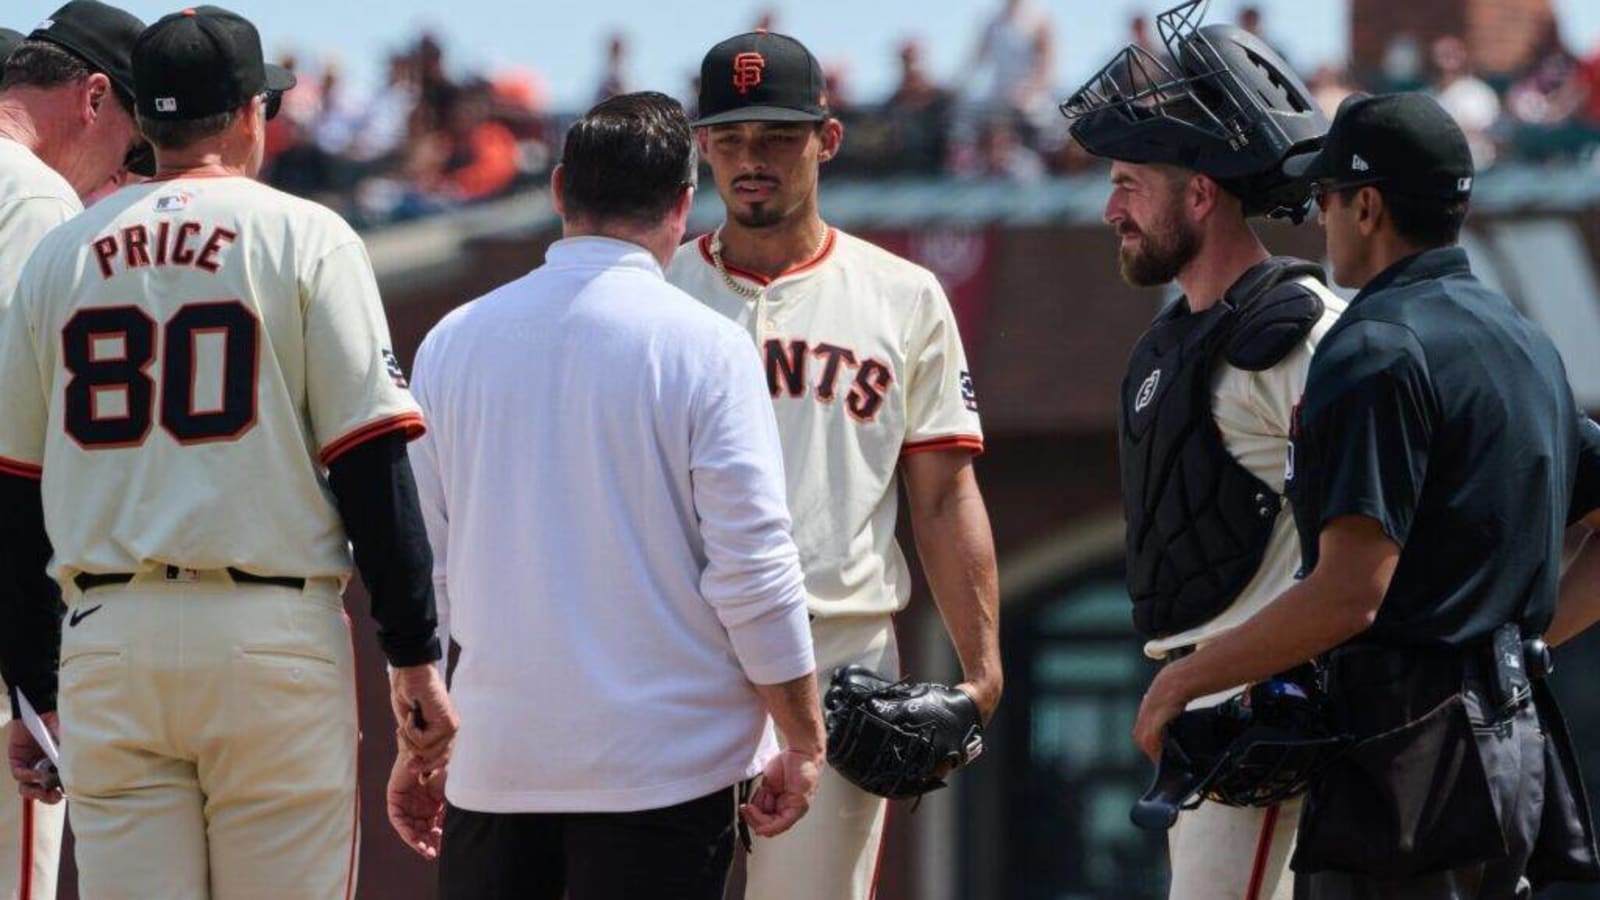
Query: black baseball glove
(898,739)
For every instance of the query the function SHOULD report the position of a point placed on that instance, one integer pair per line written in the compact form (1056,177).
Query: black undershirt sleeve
(377,497)
(30,638)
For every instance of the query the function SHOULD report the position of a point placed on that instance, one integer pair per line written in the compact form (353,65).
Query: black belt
(88,581)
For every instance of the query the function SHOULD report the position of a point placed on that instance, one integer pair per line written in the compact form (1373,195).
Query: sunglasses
(271,102)
(1320,190)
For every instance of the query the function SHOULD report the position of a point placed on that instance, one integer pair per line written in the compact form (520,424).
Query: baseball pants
(208,737)
(1233,853)
(681,851)
(30,841)
(832,854)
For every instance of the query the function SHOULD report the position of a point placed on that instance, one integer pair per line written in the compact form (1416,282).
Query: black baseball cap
(201,62)
(1404,140)
(8,42)
(101,35)
(761,77)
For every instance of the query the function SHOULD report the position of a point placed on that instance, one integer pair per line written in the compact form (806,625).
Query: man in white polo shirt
(604,493)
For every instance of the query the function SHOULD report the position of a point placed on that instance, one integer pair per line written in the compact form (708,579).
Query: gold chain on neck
(744,290)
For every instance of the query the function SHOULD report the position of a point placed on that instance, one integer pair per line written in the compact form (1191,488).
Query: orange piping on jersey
(411,423)
(954,442)
(762,280)
(25,874)
(20,469)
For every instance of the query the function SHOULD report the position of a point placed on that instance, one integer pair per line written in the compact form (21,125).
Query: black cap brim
(1310,166)
(758,114)
(278,78)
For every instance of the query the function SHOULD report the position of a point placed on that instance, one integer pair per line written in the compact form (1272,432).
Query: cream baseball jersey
(34,198)
(181,362)
(864,364)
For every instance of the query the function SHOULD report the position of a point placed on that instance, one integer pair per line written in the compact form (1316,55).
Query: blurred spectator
(1018,50)
(1466,97)
(614,80)
(837,88)
(767,20)
(1402,64)
(1001,153)
(472,158)
(919,113)
(1329,86)
(1139,35)
(1545,106)
(437,92)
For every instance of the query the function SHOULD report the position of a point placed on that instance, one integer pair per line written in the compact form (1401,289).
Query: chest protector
(1198,521)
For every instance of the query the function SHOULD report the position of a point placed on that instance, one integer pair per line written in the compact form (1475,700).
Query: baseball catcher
(898,739)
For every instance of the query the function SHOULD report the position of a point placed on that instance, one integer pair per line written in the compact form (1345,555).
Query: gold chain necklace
(743,290)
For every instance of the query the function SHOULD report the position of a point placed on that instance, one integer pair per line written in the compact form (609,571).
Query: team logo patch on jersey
(1147,391)
(392,363)
(969,394)
(167,203)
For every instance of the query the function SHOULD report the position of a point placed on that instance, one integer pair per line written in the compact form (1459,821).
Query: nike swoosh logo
(81,614)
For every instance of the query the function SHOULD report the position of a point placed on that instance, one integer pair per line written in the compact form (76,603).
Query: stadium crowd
(434,137)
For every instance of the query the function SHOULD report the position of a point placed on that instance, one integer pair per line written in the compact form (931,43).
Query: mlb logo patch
(46,25)
(392,363)
(166,104)
(173,202)
(969,394)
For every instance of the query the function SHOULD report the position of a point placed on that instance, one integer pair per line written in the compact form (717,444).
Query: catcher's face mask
(1257,749)
(1218,101)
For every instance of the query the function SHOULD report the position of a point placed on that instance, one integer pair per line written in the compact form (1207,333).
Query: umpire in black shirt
(1437,459)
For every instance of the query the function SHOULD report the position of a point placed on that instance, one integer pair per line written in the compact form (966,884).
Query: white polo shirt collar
(595,251)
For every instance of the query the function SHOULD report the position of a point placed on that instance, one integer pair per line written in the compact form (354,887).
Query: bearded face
(1146,211)
(1154,252)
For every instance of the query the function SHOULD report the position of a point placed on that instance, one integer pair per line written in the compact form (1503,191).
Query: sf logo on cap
(747,69)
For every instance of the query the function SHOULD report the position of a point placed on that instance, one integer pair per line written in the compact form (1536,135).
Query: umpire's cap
(761,77)
(1405,141)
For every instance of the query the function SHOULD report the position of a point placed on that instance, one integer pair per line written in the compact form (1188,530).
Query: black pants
(676,853)
(1388,700)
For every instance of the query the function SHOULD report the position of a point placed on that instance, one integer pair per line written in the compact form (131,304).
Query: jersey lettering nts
(181,363)
(864,364)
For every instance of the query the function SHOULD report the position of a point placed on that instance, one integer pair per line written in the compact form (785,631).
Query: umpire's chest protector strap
(1198,521)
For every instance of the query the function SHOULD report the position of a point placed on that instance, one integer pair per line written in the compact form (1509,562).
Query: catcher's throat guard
(1257,749)
(898,739)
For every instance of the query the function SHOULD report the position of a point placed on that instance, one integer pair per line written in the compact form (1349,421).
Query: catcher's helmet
(1256,749)
(1223,103)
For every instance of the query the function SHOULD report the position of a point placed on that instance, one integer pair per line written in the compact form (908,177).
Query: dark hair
(177,134)
(1422,221)
(628,158)
(41,64)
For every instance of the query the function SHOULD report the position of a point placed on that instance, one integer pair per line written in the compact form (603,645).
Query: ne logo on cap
(1358,164)
(747,68)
